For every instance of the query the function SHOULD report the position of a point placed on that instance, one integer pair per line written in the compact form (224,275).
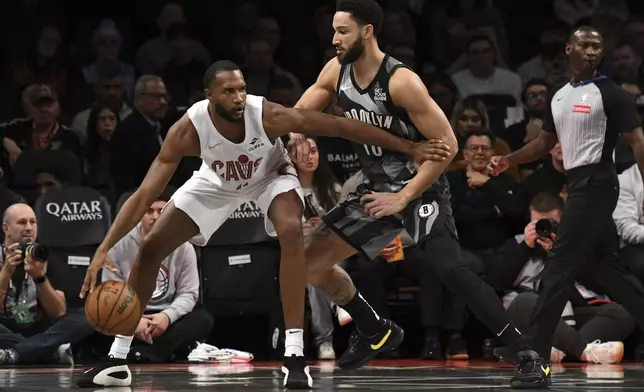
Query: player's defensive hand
(430,150)
(299,148)
(498,164)
(100,260)
(378,205)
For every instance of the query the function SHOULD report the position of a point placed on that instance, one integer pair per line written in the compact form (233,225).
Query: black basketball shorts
(423,218)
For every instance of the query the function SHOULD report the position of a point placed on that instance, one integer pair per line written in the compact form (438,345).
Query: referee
(586,116)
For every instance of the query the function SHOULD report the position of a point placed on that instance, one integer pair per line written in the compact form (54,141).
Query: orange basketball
(113,308)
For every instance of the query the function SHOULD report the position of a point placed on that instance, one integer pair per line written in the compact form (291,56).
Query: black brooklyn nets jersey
(385,170)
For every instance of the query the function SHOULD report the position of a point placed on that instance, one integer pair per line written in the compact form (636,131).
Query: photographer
(588,318)
(34,326)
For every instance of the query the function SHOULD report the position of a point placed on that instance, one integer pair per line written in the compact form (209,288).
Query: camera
(37,252)
(545,227)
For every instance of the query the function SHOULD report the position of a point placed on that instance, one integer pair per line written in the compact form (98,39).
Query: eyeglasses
(479,148)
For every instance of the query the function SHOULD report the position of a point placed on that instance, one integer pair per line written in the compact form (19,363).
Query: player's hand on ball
(498,164)
(299,148)
(100,260)
(430,150)
(383,204)
(159,322)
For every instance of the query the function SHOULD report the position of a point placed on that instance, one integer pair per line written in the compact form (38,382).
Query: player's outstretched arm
(182,140)
(408,92)
(279,121)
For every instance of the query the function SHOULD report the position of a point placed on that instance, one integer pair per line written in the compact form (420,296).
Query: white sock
(294,343)
(121,346)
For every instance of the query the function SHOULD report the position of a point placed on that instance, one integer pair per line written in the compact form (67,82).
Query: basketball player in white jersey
(238,137)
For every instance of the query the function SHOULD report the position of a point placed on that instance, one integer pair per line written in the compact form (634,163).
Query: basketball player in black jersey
(375,88)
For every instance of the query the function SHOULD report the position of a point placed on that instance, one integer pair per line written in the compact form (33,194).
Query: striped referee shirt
(588,117)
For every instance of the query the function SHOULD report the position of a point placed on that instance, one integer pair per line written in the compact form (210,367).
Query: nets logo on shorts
(241,169)
(426,210)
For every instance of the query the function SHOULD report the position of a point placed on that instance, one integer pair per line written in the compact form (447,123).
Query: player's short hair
(582,29)
(217,68)
(480,132)
(546,202)
(364,12)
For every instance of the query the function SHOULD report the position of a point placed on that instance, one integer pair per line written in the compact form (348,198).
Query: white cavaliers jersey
(234,166)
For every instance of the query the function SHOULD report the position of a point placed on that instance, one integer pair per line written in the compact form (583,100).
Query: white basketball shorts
(209,206)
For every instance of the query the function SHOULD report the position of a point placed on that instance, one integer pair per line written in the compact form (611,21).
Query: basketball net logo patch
(426,210)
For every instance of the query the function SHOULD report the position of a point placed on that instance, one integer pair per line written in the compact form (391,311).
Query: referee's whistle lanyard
(15,301)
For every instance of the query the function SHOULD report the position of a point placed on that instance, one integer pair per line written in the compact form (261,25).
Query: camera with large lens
(545,227)
(37,252)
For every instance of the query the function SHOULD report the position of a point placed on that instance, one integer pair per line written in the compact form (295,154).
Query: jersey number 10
(375,151)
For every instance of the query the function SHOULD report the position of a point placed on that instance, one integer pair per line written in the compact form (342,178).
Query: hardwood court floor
(379,376)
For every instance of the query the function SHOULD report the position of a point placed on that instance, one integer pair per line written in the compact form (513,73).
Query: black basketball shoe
(364,349)
(111,373)
(296,373)
(534,372)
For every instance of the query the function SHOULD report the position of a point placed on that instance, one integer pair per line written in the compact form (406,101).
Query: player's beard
(353,53)
(228,115)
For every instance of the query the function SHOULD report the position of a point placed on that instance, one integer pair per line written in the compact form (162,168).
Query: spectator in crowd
(629,219)
(41,130)
(321,193)
(589,318)
(102,122)
(44,62)
(155,54)
(483,76)
(35,324)
(183,73)
(627,64)
(443,91)
(634,32)
(269,29)
(260,69)
(470,114)
(552,40)
(107,42)
(108,90)
(455,22)
(170,321)
(486,208)
(534,97)
(137,139)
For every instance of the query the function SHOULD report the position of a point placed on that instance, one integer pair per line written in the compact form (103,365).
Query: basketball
(113,308)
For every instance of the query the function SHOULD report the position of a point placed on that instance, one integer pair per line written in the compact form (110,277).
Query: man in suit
(137,139)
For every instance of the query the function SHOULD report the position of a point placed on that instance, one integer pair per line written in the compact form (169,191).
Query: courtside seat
(72,222)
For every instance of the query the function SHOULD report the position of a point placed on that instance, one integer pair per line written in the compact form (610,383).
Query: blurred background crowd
(89,91)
